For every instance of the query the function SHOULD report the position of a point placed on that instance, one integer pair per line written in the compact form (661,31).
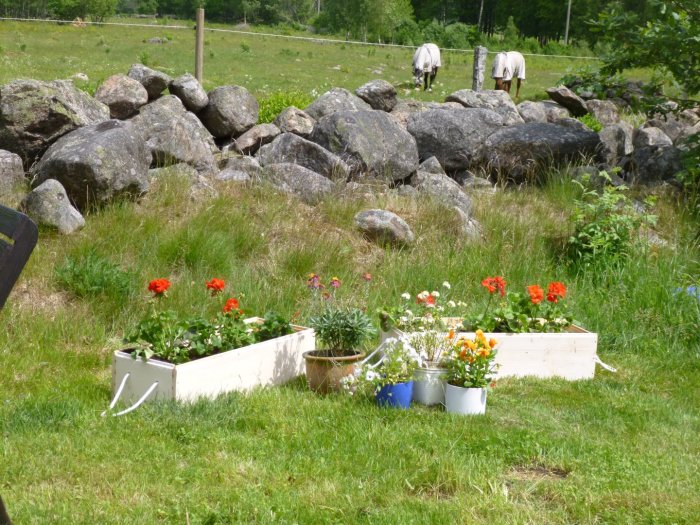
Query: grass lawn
(262,64)
(621,448)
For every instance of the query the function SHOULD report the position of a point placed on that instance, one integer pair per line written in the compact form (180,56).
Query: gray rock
(648,137)
(48,205)
(405,190)
(370,142)
(495,100)
(431,165)
(179,170)
(97,163)
(405,108)
(471,228)
(442,189)
(654,164)
(520,150)
(604,111)
(337,99)
(384,227)
(190,92)
(570,100)
(175,135)
(532,111)
(453,136)
(11,170)
(308,185)
(123,95)
(240,169)
(255,137)
(153,81)
(231,111)
(617,141)
(671,126)
(474,183)
(554,111)
(294,120)
(379,94)
(569,122)
(34,114)
(289,147)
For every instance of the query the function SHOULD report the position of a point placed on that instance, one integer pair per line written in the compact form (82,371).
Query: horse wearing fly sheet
(506,66)
(426,62)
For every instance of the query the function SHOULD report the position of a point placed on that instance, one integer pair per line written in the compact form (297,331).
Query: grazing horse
(426,62)
(506,66)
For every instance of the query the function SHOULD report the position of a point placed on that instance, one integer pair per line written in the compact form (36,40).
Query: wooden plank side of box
(142,374)
(569,355)
(272,362)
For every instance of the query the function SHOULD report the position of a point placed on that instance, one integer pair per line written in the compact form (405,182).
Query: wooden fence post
(480,54)
(199,46)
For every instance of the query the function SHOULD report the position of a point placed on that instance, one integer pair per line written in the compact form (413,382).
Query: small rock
(384,227)
(48,205)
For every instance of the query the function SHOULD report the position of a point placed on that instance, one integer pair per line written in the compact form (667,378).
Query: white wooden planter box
(570,355)
(271,362)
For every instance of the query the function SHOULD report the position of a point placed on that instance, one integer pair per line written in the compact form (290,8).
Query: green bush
(271,105)
(92,275)
(592,122)
(605,227)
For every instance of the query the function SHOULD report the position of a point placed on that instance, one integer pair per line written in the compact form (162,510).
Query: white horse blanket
(426,59)
(508,65)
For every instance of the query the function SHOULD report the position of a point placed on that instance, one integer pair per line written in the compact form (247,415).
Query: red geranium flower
(367,276)
(495,283)
(215,285)
(536,293)
(158,286)
(555,291)
(231,304)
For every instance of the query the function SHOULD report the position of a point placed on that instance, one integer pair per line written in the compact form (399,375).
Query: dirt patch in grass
(536,473)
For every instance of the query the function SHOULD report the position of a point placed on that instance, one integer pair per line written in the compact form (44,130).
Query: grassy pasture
(620,449)
(47,51)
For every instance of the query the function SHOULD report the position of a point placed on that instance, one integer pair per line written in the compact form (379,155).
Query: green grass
(262,64)
(621,448)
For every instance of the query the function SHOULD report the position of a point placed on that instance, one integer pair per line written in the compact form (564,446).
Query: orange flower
(536,293)
(480,336)
(492,342)
(555,291)
(463,355)
(158,286)
(367,276)
(484,352)
(215,285)
(231,304)
(471,344)
(451,334)
(495,283)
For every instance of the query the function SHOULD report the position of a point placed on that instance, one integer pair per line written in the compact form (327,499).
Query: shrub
(605,225)
(271,105)
(592,122)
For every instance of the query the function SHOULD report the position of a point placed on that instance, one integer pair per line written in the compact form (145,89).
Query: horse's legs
(517,90)
(432,77)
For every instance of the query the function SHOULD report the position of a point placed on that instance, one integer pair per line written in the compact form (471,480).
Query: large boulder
(11,170)
(442,189)
(289,147)
(650,137)
(379,94)
(34,114)
(496,100)
(384,227)
(190,92)
(295,120)
(256,137)
(617,141)
(97,163)
(570,100)
(431,165)
(155,82)
(337,99)
(123,95)
(521,150)
(308,185)
(604,111)
(532,111)
(371,142)
(554,111)
(453,136)
(653,164)
(48,205)
(175,135)
(231,111)
(406,107)
(240,169)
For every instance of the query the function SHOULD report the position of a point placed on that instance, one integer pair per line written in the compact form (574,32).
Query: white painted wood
(271,362)
(570,355)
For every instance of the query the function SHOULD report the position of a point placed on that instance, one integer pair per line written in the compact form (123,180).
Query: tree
(670,41)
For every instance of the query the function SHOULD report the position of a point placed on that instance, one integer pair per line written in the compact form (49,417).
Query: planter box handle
(603,365)
(133,407)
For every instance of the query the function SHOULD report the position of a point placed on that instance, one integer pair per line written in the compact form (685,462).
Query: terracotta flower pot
(325,371)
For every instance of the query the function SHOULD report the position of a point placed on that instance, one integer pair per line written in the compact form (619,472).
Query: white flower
(371,375)
(423,295)
(435,294)
(439,308)
(403,319)
(461,303)
(446,285)
(429,305)
(409,313)
(451,304)
(406,296)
